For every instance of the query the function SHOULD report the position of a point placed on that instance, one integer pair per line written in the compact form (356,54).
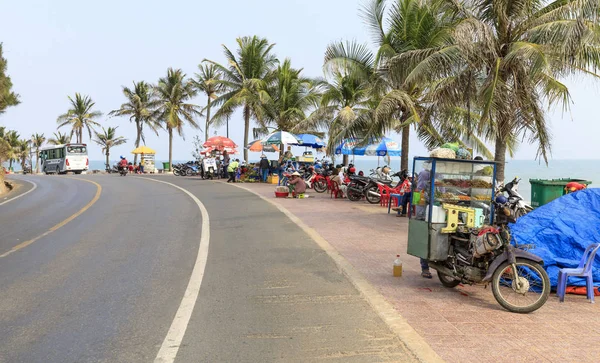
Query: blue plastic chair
(583,270)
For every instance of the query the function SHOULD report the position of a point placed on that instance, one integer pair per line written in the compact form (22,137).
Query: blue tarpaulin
(561,230)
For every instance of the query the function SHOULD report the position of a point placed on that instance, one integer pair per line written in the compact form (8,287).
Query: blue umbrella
(311,141)
(384,147)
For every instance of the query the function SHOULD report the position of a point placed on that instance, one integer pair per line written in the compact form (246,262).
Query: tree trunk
(246,130)
(345,160)
(170,148)
(108,158)
(206,133)
(138,126)
(405,143)
(37,161)
(500,158)
(10,164)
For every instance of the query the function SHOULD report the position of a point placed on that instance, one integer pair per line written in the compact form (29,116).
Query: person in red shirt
(122,163)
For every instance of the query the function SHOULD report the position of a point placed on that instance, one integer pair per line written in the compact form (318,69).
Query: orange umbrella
(257,146)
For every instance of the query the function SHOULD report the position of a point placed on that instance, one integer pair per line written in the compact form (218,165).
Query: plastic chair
(583,270)
(385,194)
(335,190)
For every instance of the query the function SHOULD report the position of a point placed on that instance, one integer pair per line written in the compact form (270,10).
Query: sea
(525,169)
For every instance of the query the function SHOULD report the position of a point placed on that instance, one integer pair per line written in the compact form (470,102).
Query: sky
(56,48)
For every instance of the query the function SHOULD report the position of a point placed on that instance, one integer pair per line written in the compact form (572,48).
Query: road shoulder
(415,343)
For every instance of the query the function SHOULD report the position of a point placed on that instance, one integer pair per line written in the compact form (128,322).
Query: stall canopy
(561,230)
(208,150)
(257,146)
(143,150)
(384,147)
(280,137)
(309,140)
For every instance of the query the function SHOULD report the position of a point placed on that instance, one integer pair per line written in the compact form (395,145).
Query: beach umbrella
(230,150)
(257,146)
(384,147)
(143,150)
(309,140)
(219,143)
(280,137)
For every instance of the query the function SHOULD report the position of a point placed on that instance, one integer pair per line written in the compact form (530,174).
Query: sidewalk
(464,324)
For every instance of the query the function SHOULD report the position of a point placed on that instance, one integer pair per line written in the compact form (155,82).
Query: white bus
(60,159)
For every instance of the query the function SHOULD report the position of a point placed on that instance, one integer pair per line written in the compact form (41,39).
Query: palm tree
(59,139)
(173,93)
(415,26)
(346,96)
(107,139)
(520,53)
(37,141)
(287,99)
(243,79)
(208,81)
(80,116)
(12,138)
(141,102)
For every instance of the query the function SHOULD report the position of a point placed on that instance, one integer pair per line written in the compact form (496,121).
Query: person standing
(264,167)
(225,163)
(232,169)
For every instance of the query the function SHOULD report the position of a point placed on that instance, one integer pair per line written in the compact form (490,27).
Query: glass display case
(447,194)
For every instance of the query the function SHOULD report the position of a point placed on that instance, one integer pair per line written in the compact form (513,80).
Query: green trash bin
(545,191)
(166,166)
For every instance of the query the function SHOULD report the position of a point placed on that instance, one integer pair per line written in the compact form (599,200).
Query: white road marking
(170,346)
(20,195)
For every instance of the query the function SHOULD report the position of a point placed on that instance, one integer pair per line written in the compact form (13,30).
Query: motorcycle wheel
(354,196)
(373,199)
(188,172)
(535,285)
(176,172)
(447,281)
(320,186)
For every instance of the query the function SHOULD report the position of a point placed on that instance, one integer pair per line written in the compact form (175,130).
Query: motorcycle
(321,179)
(515,200)
(123,170)
(369,186)
(486,256)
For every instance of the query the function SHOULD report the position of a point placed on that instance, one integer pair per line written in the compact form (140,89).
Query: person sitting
(130,166)
(296,184)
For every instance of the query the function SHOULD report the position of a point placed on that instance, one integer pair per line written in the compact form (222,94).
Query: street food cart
(448,194)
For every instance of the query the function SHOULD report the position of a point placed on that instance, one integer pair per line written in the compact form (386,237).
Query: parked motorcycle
(514,201)
(519,282)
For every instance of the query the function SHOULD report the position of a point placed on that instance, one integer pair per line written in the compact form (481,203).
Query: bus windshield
(76,149)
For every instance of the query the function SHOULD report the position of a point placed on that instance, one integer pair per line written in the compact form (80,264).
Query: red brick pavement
(464,324)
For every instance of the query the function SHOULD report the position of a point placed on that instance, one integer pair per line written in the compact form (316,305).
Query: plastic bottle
(397,267)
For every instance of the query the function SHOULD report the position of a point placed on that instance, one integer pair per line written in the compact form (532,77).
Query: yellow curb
(414,342)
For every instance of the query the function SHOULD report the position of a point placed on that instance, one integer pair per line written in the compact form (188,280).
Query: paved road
(106,286)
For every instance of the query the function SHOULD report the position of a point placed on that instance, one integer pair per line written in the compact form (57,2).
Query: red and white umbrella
(229,150)
(219,143)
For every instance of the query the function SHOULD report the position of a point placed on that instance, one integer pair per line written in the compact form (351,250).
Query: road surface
(103,268)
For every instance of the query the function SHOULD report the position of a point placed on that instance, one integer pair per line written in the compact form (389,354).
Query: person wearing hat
(296,184)
(264,167)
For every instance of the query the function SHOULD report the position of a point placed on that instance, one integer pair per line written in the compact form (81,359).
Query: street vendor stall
(147,156)
(447,192)
(460,229)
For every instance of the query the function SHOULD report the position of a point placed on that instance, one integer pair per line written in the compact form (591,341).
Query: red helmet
(352,170)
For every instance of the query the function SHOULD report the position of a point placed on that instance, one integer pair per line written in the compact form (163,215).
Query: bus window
(76,150)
